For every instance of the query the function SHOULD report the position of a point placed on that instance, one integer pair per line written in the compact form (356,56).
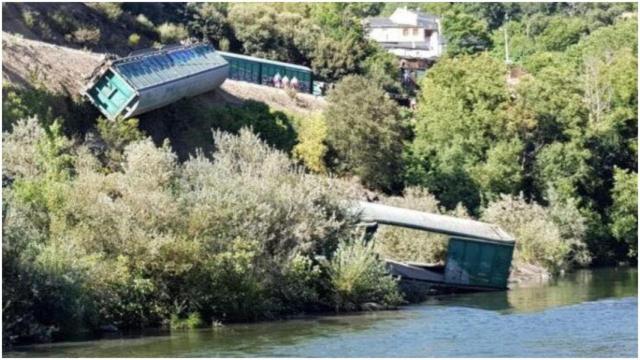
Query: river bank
(584,313)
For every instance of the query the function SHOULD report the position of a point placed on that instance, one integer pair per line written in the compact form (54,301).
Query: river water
(589,313)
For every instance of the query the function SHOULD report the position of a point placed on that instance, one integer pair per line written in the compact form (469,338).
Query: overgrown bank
(129,237)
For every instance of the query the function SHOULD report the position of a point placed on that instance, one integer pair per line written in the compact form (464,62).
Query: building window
(427,33)
(405,32)
(415,31)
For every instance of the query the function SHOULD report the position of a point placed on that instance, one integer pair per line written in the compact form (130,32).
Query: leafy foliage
(357,275)
(364,132)
(145,241)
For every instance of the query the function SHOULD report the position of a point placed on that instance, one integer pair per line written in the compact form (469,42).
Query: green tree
(461,115)
(364,132)
(624,210)
(465,33)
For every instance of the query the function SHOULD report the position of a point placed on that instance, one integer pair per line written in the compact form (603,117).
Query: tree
(465,33)
(461,116)
(624,211)
(209,21)
(364,132)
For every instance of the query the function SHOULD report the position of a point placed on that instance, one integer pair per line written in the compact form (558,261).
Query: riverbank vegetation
(132,238)
(162,222)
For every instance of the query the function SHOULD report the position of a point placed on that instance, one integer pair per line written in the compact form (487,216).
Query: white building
(413,36)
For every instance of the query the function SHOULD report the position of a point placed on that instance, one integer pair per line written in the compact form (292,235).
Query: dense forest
(159,221)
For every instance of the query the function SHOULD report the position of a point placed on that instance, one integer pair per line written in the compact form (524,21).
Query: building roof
(423,20)
(155,67)
(471,229)
(264,61)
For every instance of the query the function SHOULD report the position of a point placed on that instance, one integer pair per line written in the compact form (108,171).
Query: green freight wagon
(150,79)
(478,262)
(478,255)
(263,71)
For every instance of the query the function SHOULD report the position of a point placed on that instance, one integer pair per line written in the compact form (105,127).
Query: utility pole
(506,40)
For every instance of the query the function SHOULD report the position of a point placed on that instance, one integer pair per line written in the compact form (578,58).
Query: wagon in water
(478,255)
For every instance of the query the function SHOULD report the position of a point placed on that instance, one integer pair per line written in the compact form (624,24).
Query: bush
(191,322)
(171,33)
(311,148)
(151,242)
(29,18)
(358,276)
(113,11)
(407,244)
(539,240)
(145,22)
(86,36)
(134,39)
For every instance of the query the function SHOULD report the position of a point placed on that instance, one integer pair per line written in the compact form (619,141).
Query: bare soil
(59,69)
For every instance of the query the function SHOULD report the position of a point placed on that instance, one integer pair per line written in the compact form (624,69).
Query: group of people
(283,82)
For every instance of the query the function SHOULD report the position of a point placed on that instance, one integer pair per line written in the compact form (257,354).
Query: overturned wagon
(148,80)
(478,255)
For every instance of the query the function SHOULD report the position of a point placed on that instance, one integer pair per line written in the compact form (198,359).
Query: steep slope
(58,69)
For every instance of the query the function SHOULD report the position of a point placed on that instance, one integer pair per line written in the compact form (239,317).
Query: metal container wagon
(478,254)
(145,81)
(263,71)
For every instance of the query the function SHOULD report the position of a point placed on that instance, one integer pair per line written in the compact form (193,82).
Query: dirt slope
(64,70)
(59,69)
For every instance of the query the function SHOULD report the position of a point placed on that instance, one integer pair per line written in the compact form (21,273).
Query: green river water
(589,313)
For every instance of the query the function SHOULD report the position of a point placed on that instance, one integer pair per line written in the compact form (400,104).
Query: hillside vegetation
(215,208)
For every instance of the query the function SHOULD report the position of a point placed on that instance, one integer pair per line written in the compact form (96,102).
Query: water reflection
(573,288)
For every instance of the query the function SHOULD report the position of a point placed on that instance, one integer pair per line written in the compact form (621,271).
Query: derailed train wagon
(478,254)
(263,72)
(151,79)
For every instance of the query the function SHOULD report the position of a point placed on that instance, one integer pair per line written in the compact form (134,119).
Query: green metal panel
(111,94)
(478,263)
(262,71)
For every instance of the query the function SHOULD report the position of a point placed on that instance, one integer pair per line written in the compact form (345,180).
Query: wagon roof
(469,229)
(265,61)
(160,66)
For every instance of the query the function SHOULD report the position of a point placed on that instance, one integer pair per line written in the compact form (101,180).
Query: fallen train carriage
(151,79)
(478,256)
(263,71)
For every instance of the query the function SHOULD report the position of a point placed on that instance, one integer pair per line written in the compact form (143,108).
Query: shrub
(539,239)
(134,39)
(357,276)
(151,242)
(63,22)
(145,22)
(86,36)
(116,136)
(191,322)
(171,33)
(29,18)
(407,244)
(311,148)
(113,11)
